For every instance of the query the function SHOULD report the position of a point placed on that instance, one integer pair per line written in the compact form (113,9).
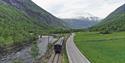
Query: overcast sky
(75,8)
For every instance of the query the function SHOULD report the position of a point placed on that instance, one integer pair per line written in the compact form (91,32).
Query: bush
(17,61)
(34,50)
(105,32)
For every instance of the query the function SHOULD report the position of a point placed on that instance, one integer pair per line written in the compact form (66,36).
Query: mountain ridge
(21,21)
(81,22)
(113,22)
(36,13)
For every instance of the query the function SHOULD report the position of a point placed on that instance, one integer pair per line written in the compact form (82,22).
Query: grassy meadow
(102,48)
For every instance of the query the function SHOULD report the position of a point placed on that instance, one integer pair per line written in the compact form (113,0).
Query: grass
(65,57)
(99,48)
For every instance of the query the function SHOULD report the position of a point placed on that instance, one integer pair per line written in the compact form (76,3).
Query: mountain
(114,22)
(81,22)
(21,21)
(39,15)
(15,27)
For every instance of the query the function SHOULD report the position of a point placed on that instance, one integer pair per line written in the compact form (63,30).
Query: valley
(81,22)
(30,33)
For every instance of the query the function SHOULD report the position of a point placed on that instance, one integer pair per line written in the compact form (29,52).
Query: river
(24,55)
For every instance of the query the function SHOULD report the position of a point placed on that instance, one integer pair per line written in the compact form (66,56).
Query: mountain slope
(81,23)
(15,27)
(114,22)
(38,14)
(22,18)
(20,23)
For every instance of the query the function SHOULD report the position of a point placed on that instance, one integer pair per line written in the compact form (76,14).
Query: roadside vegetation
(102,48)
(65,56)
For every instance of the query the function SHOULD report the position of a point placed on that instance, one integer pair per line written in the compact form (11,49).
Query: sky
(79,8)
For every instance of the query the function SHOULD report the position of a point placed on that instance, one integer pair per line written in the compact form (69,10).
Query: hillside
(80,23)
(22,18)
(42,17)
(15,27)
(114,22)
(21,21)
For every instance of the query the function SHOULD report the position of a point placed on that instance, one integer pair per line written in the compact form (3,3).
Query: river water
(24,55)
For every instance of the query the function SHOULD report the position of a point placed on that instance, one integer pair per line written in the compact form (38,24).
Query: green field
(102,48)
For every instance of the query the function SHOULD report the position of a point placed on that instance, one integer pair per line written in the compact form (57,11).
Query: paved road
(74,55)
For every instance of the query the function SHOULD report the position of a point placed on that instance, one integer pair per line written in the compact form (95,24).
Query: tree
(34,51)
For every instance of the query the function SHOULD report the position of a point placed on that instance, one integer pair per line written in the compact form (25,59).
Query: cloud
(74,8)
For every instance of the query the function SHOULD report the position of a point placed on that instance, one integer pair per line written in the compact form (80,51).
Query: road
(74,55)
